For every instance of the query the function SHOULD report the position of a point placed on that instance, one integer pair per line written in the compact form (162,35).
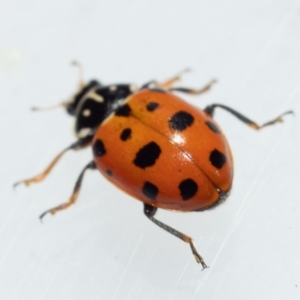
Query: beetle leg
(81,143)
(211,108)
(150,211)
(167,83)
(74,195)
(202,90)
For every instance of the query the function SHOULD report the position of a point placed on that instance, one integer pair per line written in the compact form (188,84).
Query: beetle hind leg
(211,109)
(150,212)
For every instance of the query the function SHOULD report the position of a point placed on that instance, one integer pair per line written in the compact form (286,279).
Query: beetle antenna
(78,65)
(36,108)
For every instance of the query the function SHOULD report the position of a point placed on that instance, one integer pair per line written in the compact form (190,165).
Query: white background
(104,247)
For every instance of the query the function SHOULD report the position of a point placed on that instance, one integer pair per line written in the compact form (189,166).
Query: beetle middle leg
(202,90)
(75,193)
(150,211)
(166,84)
(169,82)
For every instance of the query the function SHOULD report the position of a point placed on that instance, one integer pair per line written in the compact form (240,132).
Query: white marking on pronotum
(112,88)
(94,96)
(86,112)
(84,132)
(133,87)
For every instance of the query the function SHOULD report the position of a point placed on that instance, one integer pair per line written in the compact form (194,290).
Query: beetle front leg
(80,144)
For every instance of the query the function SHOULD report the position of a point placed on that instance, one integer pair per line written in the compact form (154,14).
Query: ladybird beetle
(154,146)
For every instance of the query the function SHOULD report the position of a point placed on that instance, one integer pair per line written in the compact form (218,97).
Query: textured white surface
(103,247)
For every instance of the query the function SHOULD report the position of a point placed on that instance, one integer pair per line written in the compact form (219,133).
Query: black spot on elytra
(125,134)
(123,111)
(188,189)
(147,155)
(212,126)
(150,190)
(98,148)
(109,173)
(181,120)
(151,106)
(217,159)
